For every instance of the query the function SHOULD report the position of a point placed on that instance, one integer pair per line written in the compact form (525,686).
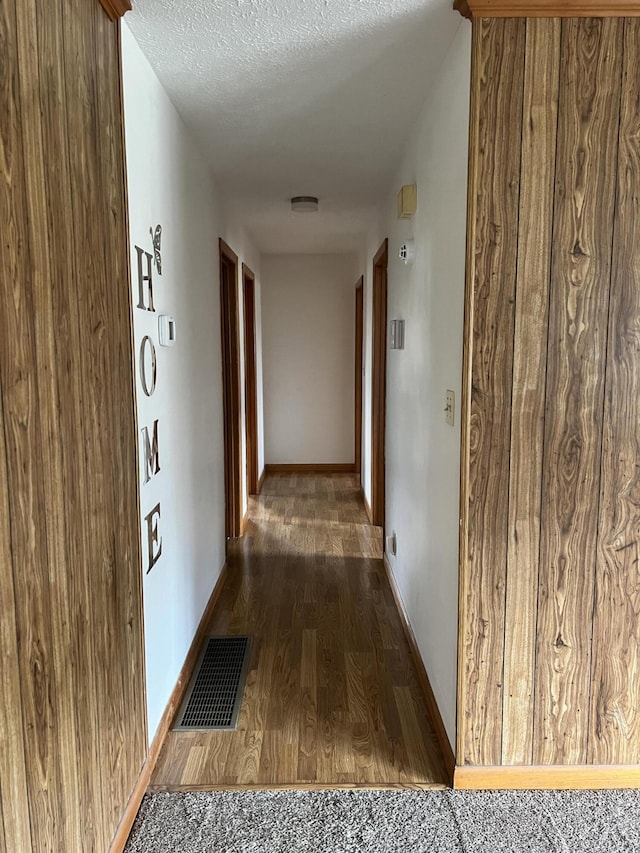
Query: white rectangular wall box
(397,334)
(166,330)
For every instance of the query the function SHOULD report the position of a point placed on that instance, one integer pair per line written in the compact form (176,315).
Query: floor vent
(214,695)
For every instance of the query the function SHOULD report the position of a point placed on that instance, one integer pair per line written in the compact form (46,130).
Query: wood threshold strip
(175,700)
(115,8)
(310,468)
(547,8)
(423,677)
(299,786)
(592,777)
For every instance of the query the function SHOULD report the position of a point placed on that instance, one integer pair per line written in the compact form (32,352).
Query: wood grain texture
(309,468)
(586,167)
(379,384)
(115,8)
(250,379)
(68,476)
(464,544)
(549,8)
(547,778)
(614,732)
(556,613)
(359,330)
(499,77)
(537,174)
(332,695)
(230,341)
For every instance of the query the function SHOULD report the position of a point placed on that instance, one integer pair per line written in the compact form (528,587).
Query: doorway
(231,390)
(379,384)
(358,373)
(250,381)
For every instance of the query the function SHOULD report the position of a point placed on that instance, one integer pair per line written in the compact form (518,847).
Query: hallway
(332,696)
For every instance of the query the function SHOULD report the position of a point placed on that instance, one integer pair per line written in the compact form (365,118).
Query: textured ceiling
(298,97)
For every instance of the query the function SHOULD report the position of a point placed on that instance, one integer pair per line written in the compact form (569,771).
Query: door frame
(358,373)
(250,378)
(230,342)
(379,384)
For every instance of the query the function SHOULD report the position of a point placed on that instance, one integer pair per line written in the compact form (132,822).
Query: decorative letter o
(148,390)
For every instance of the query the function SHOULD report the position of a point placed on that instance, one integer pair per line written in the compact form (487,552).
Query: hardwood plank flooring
(332,697)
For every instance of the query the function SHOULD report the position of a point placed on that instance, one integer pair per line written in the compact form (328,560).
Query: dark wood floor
(332,696)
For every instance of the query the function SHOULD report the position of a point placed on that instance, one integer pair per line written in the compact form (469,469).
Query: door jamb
(379,384)
(250,379)
(230,341)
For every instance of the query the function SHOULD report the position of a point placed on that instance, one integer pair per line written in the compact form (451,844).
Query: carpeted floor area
(388,822)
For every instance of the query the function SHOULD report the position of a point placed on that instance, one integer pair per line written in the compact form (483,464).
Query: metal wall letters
(148,377)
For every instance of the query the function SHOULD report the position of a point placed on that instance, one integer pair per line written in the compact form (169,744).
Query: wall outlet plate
(450,408)
(391,544)
(396,340)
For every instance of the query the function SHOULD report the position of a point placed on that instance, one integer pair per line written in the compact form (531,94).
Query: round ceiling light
(304,203)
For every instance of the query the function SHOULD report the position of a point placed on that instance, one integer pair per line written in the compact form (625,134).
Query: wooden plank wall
(550,544)
(72,721)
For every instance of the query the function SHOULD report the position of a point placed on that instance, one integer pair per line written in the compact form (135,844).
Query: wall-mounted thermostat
(166,330)
(397,334)
(407,201)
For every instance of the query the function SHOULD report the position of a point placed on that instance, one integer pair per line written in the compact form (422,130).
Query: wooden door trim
(250,378)
(547,8)
(358,373)
(231,392)
(378,389)
(115,8)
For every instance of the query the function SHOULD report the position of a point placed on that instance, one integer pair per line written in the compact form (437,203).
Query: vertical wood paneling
(68,357)
(463,712)
(72,718)
(580,275)
(15,832)
(33,469)
(539,127)
(499,116)
(615,713)
(550,530)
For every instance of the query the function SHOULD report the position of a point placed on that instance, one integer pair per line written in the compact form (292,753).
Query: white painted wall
(422,452)
(169,183)
(308,339)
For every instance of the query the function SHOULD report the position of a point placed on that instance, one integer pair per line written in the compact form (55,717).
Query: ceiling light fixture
(304,203)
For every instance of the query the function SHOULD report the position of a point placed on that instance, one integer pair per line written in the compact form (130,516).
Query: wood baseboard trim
(311,468)
(261,480)
(367,508)
(593,777)
(175,700)
(432,706)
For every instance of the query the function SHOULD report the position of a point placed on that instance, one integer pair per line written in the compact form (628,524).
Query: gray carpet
(385,821)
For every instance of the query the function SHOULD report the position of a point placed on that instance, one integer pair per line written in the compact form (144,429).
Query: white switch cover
(450,407)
